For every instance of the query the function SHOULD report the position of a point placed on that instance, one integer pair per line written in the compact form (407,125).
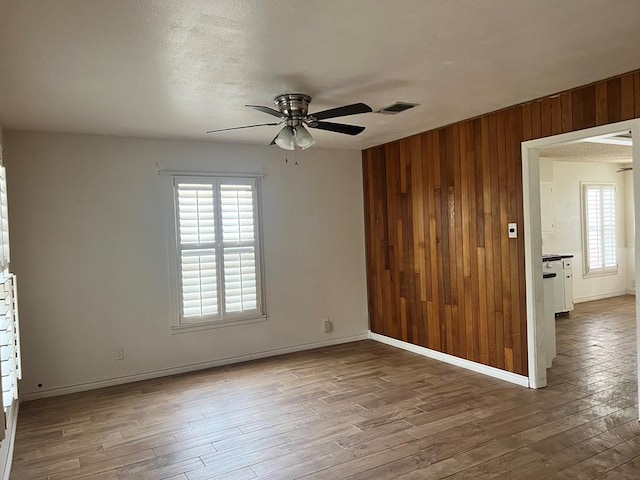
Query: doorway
(533,231)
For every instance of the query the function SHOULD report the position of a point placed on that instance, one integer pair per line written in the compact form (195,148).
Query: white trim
(580,136)
(81,387)
(457,361)
(533,238)
(199,326)
(533,265)
(200,173)
(12,424)
(635,155)
(590,298)
(218,245)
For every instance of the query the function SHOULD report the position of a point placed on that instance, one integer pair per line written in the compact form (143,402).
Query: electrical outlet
(326,325)
(119,354)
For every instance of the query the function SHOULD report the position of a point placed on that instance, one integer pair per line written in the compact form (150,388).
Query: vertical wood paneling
(556,115)
(577,110)
(602,113)
(627,97)
(614,100)
(636,93)
(589,106)
(566,101)
(442,272)
(545,117)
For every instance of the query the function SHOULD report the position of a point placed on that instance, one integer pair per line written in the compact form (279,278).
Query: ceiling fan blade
(246,126)
(268,110)
(342,111)
(338,127)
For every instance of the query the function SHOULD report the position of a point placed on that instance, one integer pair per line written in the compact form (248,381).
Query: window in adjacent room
(599,228)
(218,249)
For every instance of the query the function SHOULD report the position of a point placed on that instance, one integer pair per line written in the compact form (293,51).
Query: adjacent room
(281,239)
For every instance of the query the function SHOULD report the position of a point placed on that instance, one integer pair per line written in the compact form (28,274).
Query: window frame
(222,318)
(589,272)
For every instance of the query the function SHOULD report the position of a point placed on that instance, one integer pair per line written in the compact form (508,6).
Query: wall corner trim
(458,362)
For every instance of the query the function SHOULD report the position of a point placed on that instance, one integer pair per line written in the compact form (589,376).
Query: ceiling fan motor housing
(294,106)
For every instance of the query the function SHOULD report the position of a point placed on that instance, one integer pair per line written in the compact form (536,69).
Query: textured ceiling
(174,69)
(589,152)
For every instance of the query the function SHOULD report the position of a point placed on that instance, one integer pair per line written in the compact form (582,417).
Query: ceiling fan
(293,112)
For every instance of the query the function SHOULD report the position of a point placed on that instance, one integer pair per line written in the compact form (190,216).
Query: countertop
(548,257)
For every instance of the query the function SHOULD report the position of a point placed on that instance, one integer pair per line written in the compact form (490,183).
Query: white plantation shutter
(609,227)
(10,366)
(16,328)
(9,342)
(240,279)
(217,236)
(199,283)
(599,217)
(237,213)
(196,214)
(239,232)
(4,221)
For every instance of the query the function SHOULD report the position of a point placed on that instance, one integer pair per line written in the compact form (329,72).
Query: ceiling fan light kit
(293,111)
(286,138)
(303,137)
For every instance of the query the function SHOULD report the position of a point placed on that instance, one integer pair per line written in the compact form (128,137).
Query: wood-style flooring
(356,411)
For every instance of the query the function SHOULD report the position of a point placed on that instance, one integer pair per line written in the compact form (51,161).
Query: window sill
(197,327)
(600,273)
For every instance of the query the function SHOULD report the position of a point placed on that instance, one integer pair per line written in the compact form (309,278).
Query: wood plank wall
(441,270)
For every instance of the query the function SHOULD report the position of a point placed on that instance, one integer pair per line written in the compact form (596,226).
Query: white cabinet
(562,266)
(567,274)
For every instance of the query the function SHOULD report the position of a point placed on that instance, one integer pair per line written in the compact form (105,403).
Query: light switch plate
(513,230)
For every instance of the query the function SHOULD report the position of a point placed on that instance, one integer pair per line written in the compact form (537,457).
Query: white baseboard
(12,423)
(459,362)
(54,392)
(630,291)
(591,298)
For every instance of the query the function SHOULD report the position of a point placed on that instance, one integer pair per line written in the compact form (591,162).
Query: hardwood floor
(359,411)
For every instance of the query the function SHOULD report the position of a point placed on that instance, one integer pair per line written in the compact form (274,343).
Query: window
(599,227)
(218,248)
(10,365)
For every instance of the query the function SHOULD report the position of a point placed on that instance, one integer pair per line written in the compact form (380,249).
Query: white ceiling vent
(397,108)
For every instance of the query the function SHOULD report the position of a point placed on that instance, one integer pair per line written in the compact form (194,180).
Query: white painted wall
(546,169)
(567,235)
(91,225)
